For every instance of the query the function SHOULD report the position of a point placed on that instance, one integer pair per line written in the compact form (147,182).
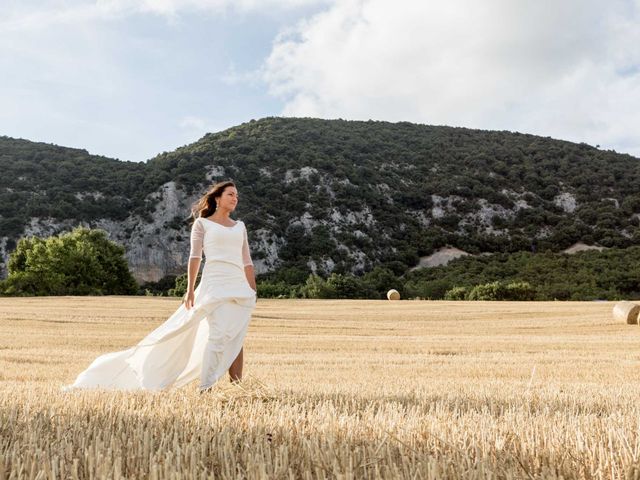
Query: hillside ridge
(331,195)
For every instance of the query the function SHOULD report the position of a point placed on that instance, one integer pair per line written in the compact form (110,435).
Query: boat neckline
(225,226)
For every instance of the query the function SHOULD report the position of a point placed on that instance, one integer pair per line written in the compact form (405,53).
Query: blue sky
(130,79)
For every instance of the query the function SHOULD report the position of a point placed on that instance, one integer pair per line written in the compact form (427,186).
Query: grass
(332,389)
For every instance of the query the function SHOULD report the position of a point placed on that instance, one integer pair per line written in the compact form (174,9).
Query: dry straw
(250,389)
(393,294)
(356,390)
(626,312)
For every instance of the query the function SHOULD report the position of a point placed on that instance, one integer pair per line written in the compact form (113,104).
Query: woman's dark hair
(206,205)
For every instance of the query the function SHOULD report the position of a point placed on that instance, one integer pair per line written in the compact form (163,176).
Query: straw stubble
(332,389)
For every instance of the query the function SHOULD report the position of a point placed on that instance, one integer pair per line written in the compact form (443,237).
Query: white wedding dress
(198,343)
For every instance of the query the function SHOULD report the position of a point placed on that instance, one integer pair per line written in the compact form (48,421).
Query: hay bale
(393,294)
(626,312)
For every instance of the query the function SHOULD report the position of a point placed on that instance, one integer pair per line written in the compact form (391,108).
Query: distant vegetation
(345,197)
(42,180)
(386,175)
(608,275)
(81,262)
(84,262)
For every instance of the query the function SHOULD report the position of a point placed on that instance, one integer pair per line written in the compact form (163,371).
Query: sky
(130,79)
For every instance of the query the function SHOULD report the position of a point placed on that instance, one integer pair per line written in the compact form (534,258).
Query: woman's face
(229,199)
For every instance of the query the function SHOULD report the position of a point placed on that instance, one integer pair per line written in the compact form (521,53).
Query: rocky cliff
(331,196)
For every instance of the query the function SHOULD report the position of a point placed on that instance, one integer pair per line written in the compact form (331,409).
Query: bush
(520,291)
(344,286)
(160,288)
(181,284)
(501,291)
(317,287)
(275,290)
(81,262)
(488,291)
(377,282)
(456,293)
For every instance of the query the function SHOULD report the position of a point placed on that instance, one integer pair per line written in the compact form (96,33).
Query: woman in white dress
(203,338)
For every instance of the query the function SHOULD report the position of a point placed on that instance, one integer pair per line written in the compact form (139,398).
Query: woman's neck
(222,214)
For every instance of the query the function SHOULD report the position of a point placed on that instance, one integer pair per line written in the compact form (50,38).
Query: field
(332,389)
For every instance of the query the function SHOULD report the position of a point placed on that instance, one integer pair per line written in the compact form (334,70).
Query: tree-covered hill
(43,180)
(345,196)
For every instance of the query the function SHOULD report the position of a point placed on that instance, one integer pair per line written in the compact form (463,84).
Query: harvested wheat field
(332,389)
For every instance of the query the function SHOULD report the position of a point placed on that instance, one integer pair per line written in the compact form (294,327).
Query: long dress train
(200,342)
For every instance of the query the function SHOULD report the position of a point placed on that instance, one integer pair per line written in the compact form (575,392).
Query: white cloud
(129,79)
(567,69)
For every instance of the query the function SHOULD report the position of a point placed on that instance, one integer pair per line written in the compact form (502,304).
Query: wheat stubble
(333,389)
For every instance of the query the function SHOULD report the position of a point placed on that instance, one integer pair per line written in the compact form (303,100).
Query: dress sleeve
(246,255)
(197,238)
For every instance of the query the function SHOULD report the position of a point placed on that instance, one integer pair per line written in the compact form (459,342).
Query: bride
(203,338)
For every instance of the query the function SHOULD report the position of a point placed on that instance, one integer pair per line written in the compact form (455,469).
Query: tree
(181,284)
(488,291)
(317,287)
(80,262)
(456,293)
(378,281)
(344,286)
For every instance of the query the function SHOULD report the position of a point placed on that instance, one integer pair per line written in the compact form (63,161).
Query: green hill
(345,196)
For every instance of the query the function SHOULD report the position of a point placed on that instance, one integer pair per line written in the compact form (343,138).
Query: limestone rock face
(153,250)
(441,257)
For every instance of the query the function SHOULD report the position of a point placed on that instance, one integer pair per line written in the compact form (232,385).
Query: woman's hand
(189,299)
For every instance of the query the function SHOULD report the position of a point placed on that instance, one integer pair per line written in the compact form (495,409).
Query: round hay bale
(626,312)
(393,294)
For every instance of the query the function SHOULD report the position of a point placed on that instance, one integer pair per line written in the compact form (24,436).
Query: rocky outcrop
(566,201)
(153,249)
(581,247)
(441,257)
